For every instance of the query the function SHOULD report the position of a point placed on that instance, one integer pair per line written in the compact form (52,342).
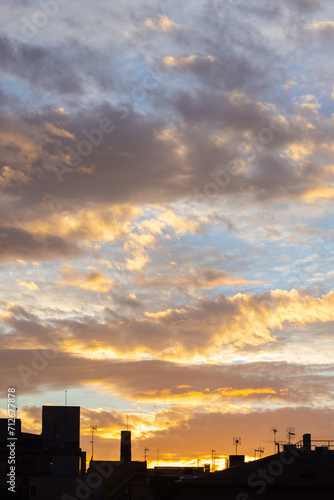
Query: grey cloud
(41,67)
(293,383)
(228,72)
(133,164)
(21,244)
(304,6)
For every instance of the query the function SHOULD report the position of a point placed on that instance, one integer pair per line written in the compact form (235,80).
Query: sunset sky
(166,223)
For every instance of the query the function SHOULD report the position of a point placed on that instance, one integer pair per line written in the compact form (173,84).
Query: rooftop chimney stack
(307,442)
(126,446)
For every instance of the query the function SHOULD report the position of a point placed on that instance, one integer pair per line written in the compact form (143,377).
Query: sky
(166,227)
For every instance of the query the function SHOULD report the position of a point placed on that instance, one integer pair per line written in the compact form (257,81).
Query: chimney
(307,443)
(236,460)
(126,446)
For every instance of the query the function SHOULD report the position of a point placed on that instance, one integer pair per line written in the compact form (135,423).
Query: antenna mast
(274,430)
(260,450)
(236,441)
(290,431)
(213,459)
(93,428)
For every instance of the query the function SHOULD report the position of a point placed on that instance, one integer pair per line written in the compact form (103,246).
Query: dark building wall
(61,426)
(119,480)
(240,492)
(46,466)
(4,429)
(236,460)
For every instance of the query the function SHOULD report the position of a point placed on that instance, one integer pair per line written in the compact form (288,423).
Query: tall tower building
(126,446)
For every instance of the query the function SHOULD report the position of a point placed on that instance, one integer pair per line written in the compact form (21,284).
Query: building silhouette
(304,471)
(52,466)
(46,464)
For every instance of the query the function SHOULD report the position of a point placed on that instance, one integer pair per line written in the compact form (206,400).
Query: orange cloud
(162,21)
(87,224)
(211,331)
(31,285)
(93,281)
(184,61)
(228,391)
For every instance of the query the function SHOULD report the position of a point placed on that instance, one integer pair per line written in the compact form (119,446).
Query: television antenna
(290,431)
(274,431)
(260,450)
(213,459)
(145,453)
(93,428)
(236,442)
